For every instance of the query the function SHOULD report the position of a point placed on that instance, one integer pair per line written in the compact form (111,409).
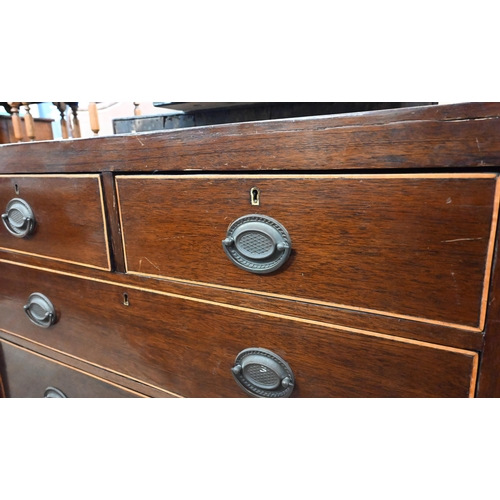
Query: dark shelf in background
(187,107)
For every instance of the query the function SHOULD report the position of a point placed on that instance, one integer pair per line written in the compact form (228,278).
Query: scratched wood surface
(411,246)
(457,136)
(151,340)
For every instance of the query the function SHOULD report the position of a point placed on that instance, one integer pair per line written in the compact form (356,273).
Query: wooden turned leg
(29,122)
(94,118)
(16,121)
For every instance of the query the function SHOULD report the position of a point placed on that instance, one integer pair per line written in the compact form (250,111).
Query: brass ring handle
(257,243)
(40,310)
(263,374)
(19,218)
(53,392)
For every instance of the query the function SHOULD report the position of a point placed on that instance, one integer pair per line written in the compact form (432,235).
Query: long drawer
(59,217)
(189,346)
(26,374)
(410,246)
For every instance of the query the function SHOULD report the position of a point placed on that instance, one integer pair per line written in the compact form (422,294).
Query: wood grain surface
(28,374)
(98,372)
(415,247)
(348,320)
(188,347)
(69,212)
(456,136)
(409,264)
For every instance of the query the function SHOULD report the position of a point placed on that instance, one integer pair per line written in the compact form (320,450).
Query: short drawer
(411,246)
(26,374)
(67,213)
(188,346)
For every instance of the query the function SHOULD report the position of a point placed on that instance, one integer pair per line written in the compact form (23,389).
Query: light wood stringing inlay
(489,260)
(70,367)
(105,226)
(84,361)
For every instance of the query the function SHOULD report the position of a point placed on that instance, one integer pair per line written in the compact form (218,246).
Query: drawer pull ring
(40,310)
(52,392)
(263,374)
(257,243)
(19,218)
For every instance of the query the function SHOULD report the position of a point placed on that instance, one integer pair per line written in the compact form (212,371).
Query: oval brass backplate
(257,243)
(263,374)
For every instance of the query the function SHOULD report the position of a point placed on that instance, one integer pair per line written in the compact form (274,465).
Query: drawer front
(69,213)
(188,346)
(416,246)
(29,375)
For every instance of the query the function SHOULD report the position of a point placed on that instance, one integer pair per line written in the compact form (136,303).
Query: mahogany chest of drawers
(335,256)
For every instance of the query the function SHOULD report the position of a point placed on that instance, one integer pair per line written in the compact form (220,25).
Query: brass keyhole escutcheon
(255,196)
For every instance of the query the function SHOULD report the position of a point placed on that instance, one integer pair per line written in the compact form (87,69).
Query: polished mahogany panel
(434,333)
(188,346)
(69,213)
(28,375)
(414,246)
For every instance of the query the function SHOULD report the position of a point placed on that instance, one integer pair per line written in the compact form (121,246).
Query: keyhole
(125,299)
(255,196)
(16,188)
